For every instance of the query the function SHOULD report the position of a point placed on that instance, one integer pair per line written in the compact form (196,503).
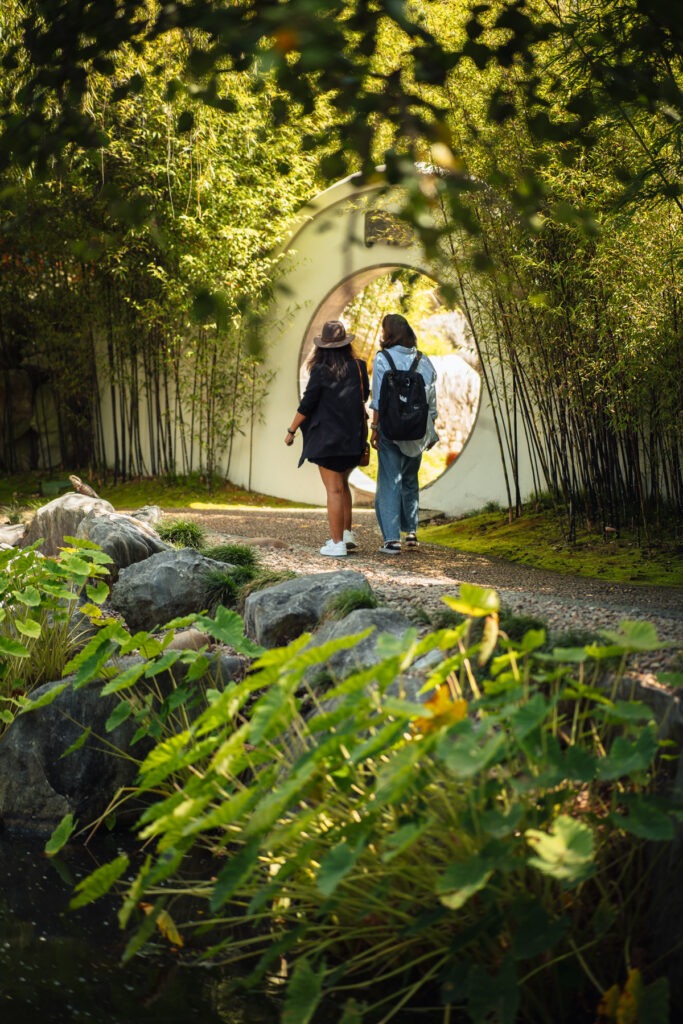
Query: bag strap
(388,358)
(415,362)
(360,377)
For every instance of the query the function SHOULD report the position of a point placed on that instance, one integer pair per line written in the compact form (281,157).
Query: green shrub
(38,596)
(235,554)
(341,605)
(484,850)
(182,533)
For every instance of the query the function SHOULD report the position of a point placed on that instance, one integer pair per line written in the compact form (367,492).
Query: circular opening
(442,334)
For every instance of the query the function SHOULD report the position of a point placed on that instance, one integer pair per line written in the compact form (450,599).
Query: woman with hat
(333,422)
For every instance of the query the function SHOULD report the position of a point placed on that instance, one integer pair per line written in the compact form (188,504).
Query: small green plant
(182,533)
(38,633)
(342,604)
(223,585)
(483,850)
(235,554)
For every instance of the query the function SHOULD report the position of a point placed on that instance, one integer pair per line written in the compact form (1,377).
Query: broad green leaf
(100,881)
(120,713)
(493,997)
(12,648)
(499,824)
(529,717)
(77,744)
(626,711)
(474,601)
(97,593)
(670,678)
(565,852)
(124,680)
(45,698)
(28,627)
(396,842)
(304,993)
(60,836)
(628,756)
(238,868)
(228,627)
(635,635)
(464,755)
(535,933)
(644,819)
(335,865)
(29,596)
(460,882)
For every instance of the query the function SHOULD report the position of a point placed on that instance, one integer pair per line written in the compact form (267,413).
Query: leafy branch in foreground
(494,849)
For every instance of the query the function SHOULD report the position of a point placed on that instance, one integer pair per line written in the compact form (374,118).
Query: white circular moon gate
(329,260)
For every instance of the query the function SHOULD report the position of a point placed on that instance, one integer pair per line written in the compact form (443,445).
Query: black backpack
(403,405)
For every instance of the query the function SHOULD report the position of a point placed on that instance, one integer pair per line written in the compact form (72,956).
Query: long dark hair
(336,360)
(397,331)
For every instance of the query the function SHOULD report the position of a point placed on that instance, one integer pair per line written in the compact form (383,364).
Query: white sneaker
(349,539)
(334,548)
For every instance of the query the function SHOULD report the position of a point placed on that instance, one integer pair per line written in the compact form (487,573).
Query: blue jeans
(397,498)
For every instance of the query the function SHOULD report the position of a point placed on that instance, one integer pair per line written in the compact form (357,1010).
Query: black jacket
(336,420)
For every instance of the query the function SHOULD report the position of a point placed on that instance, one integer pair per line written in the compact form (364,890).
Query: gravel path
(291,539)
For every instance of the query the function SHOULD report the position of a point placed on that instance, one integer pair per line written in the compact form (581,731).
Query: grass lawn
(537,538)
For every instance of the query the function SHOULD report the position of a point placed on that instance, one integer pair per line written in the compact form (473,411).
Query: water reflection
(58,965)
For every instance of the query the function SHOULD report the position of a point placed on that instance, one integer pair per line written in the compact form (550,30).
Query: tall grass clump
(493,850)
(182,533)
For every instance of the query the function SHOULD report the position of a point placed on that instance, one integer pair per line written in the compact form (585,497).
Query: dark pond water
(59,965)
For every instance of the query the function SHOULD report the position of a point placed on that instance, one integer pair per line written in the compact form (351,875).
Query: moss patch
(539,539)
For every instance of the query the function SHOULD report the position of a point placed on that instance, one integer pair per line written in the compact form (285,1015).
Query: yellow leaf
(165,924)
(444,710)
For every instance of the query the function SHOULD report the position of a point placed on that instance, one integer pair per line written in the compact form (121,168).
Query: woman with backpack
(334,425)
(403,416)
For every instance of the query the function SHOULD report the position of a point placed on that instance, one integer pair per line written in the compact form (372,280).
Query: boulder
(38,785)
(277,615)
(124,538)
(364,655)
(165,586)
(61,518)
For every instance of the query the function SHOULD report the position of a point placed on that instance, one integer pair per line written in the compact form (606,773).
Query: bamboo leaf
(77,744)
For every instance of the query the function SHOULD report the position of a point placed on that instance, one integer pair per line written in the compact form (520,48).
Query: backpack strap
(388,358)
(414,364)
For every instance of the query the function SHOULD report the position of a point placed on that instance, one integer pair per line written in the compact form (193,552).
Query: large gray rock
(126,539)
(38,785)
(275,616)
(365,654)
(166,585)
(61,518)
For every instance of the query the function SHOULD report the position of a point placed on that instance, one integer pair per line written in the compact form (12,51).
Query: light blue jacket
(403,358)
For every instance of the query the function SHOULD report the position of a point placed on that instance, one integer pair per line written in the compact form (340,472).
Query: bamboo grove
(133,269)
